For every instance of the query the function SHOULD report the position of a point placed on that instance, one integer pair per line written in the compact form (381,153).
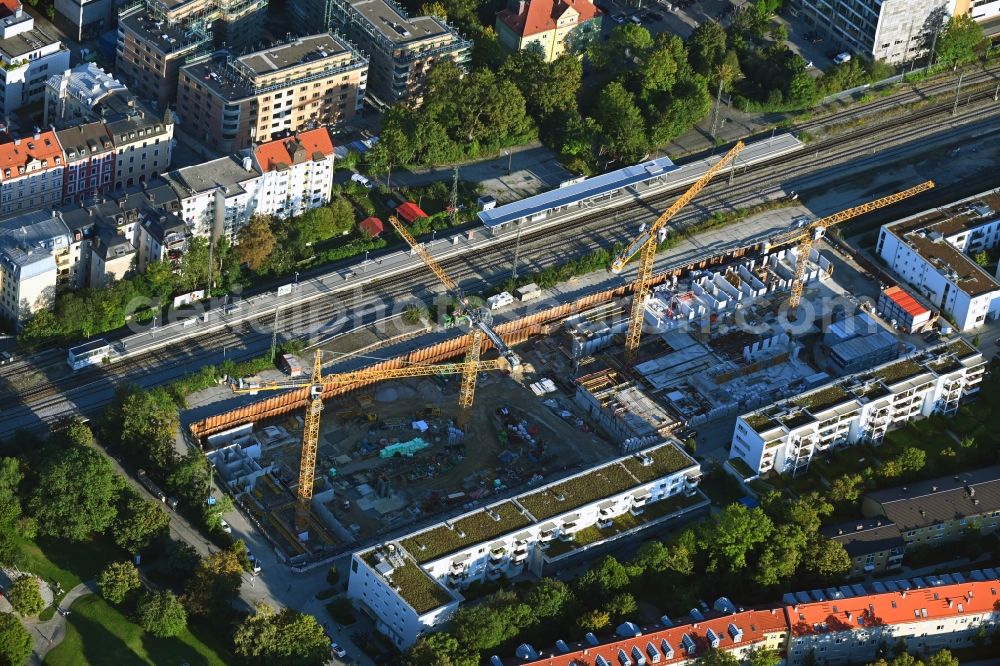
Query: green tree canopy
(603,579)
(147,421)
(715,657)
(958,41)
(623,136)
(731,534)
(281,637)
(255,241)
(706,47)
(215,583)
(139,521)
(76,494)
(161,614)
(320,224)
(15,641)
(118,579)
(439,649)
(548,598)
(25,596)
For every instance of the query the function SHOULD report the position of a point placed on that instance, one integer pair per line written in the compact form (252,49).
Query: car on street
(635,19)
(337,650)
(6,357)
(362,180)
(617,18)
(841,58)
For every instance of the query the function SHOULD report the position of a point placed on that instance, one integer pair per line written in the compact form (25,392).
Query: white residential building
(297,172)
(981,10)
(895,31)
(28,57)
(217,197)
(413,584)
(785,436)
(934,250)
(34,252)
(74,93)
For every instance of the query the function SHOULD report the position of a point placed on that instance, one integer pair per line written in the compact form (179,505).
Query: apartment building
(297,172)
(413,584)
(785,436)
(549,27)
(72,96)
(143,139)
(111,258)
(400,49)
(28,57)
(875,545)
(940,510)
(832,626)
(151,50)
(854,629)
(90,161)
(934,252)
(31,173)
(980,10)
(231,102)
(161,237)
(34,257)
(217,198)
(895,31)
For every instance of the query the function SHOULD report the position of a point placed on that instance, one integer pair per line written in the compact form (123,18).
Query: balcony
(498,555)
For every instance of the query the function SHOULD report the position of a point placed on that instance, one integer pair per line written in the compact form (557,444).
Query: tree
(764,657)
(825,559)
(139,521)
(193,271)
(622,606)
(148,423)
(548,598)
(283,637)
(779,32)
(215,583)
(958,41)
(255,242)
(15,641)
(174,560)
(730,535)
(658,71)
(846,488)
(190,479)
(781,556)
(161,614)
(942,658)
(25,596)
(716,657)
(603,579)
(118,579)
(706,47)
(76,494)
(982,258)
(10,502)
(319,224)
(909,460)
(594,620)
(623,137)
(481,627)
(439,649)
(626,43)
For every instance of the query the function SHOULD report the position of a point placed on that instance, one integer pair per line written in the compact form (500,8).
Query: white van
(362,180)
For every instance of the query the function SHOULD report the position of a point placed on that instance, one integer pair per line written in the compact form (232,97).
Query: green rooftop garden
(823,398)
(478,527)
(945,365)
(422,592)
(760,421)
(961,348)
(580,490)
(796,419)
(897,372)
(740,466)
(666,460)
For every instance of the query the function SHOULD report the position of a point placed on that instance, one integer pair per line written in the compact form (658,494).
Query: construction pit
(392,455)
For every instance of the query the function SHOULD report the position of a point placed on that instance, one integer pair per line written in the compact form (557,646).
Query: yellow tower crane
(646,243)
(317,384)
(815,231)
(480,319)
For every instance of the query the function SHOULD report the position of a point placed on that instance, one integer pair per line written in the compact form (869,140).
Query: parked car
(225,526)
(337,650)
(635,19)
(841,58)
(6,357)
(617,18)
(362,180)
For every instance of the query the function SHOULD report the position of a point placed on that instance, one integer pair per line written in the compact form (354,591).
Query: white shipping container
(529,292)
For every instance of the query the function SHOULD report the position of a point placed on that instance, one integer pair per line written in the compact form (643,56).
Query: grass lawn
(64,562)
(97,633)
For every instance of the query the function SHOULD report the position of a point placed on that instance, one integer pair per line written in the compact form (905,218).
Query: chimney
(247,164)
(37,135)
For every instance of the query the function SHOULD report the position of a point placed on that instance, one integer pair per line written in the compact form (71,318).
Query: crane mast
(645,245)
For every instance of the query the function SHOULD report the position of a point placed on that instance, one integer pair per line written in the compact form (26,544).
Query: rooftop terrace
(665,461)
(577,491)
(416,587)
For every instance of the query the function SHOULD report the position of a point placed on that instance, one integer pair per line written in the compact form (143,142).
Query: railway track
(190,354)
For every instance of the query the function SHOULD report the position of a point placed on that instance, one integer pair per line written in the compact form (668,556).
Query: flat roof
(26,42)
(163,36)
(586,189)
(299,52)
(474,528)
(393,23)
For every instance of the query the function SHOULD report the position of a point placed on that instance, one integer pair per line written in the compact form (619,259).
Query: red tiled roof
(303,147)
(9,7)
(534,16)
(371,226)
(410,212)
(755,625)
(928,603)
(905,301)
(21,153)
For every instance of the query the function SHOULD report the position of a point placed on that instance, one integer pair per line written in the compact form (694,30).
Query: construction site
(332,462)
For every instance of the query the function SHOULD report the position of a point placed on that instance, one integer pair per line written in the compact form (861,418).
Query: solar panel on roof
(818,595)
(859,590)
(948,579)
(904,584)
(803,597)
(833,593)
(789,598)
(977,575)
(879,587)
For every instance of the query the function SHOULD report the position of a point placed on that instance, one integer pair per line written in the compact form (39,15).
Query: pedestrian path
(48,634)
